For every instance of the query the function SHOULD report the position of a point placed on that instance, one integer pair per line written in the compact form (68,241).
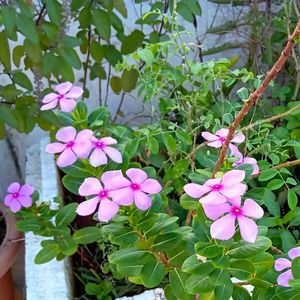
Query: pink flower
(136,190)
(218,139)
(102,150)
(66,93)
(74,145)
(92,187)
(18,196)
(224,227)
(282,264)
(217,190)
(247,160)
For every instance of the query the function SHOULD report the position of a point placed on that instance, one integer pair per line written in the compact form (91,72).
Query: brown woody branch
(253,98)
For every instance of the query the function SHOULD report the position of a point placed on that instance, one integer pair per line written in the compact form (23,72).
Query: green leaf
(66,215)
(116,84)
(153,145)
(18,53)
(287,239)
(243,94)
(8,116)
(27,26)
(180,167)
(120,6)
(120,235)
(296,267)
(102,23)
(188,202)
(29,224)
(129,79)
(184,10)
(267,175)
(146,55)
(170,143)
(208,249)
(184,137)
(48,252)
(275,184)
(263,262)
(292,199)
(224,292)
(197,284)
(132,42)
(193,265)
(177,282)
(166,241)
(87,235)
(67,245)
(9,20)
(130,256)
(241,269)
(152,274)
(99,116)
(240,293)
(219,277)
(243,249)
(22,80)
(5,52)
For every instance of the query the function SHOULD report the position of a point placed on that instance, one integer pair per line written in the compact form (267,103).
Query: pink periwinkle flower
(247,160)
(218,139)
(224,228)
(71,145)
(135,189)
(108,207)
(18,196)
(102,150)
(217,190)
(282,264)
(66,93)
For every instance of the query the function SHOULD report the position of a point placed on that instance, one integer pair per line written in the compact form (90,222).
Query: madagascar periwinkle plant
(192,202)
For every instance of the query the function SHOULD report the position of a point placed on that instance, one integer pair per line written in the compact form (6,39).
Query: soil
(2,228)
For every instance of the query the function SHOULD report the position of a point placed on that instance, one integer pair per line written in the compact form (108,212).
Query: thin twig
(256,95)
(119,106)
(86,65)
(40,16)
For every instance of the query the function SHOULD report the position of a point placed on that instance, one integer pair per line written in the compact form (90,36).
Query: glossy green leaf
(152,274)
(66,214)
(132,42)
(87,235)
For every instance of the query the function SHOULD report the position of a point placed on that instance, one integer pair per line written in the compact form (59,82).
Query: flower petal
(14,187)
(252,209)
(114,154)
(75,92)
(49,105)
(50,97)
(98,158)
(136,175)
(232,177)
(283,279)
(63,88)
(215,211)
(234,151)
(114,180)
(67,105)
(238,189)
(8,199)
(87,207)
(26,190)
(223,132)
(90,186)
(66,134)
(295,252)
(55,147)
(238,138)
(213,198)
(216,144)
(122,196)
(108,140)
(196,190)
(253,162)
(209,136)
(82,148)
(151,186)
(84,135)
(15,205)
(223,228)
(282,263)
(66,158)
(107,210)
(142,200)
(212,182)
(248,229)
(25,201)
(236,201)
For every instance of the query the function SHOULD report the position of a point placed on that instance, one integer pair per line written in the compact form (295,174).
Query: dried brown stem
(253,98)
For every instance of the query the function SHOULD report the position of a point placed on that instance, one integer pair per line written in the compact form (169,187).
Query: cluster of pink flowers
(218,139)
(117,190)
(18,196)
(285,264)
(222,196)
(72,145)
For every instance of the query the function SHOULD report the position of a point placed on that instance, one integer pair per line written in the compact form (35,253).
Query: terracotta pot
(9,250)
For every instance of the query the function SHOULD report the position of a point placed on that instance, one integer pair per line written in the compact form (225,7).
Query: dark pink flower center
(135,186)
(61,96)
(236,211)
(222,139)
(70,144)
(103,194)
(99,145)
(217,187)
(15,195)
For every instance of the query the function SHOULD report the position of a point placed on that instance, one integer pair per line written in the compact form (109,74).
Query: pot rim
(12,242)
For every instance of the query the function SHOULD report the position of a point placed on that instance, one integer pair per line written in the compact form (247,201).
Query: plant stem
(253,98)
